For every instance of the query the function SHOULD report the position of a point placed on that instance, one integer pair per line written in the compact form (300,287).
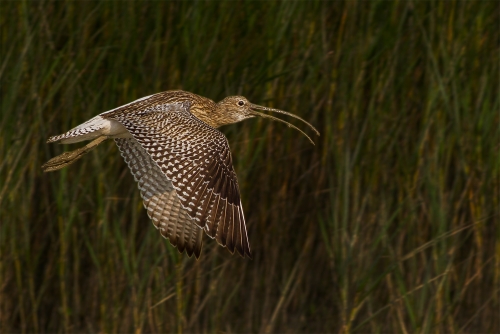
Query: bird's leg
(67,158)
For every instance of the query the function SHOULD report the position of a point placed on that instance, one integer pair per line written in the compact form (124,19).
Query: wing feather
(196,159)
(160,199)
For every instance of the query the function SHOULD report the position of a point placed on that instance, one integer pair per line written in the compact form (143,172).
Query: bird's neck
(202,108)
(206,112)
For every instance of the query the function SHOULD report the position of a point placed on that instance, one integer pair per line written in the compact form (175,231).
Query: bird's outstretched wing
(196,159)
(160,199)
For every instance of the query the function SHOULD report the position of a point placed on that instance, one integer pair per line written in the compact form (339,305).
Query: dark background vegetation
(389,224)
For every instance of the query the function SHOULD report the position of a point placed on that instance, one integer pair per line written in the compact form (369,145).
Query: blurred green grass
(389,224)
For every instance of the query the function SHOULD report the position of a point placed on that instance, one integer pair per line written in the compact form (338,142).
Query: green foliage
(389,224)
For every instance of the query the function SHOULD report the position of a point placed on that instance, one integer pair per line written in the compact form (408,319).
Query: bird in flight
(181,162)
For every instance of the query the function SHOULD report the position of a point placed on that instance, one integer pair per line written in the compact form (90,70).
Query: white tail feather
(93,128)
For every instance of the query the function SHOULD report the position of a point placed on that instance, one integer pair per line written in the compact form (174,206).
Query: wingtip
(249,255)
(197,251)
(244,252)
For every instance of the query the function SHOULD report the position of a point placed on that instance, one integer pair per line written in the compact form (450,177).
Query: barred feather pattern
(196,159)
(84,130)
(161,200)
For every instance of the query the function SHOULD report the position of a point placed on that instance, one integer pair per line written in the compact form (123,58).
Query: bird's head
(235,109)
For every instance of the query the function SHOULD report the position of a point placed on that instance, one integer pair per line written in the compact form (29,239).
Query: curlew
(181,162)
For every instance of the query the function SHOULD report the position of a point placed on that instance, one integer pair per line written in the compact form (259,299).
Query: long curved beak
(256,113)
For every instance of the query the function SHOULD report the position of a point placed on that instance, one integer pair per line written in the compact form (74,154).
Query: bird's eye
(241,103)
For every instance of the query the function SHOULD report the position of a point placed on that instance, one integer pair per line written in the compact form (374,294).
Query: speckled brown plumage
(160,199)
(197,160)
(182,163)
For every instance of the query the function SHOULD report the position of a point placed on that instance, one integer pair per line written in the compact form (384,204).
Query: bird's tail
(68,158)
